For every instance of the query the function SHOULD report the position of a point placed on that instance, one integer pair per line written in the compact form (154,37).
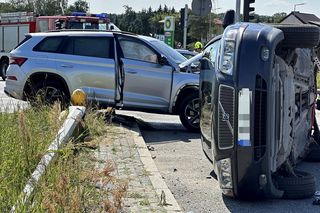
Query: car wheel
(189,112)
(49,93)
(297,36)
(302,185)
(4,67)
(314,154)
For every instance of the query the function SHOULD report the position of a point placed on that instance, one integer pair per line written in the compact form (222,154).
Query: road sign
(201,7)
(169,38)
(169,23)
(169,30)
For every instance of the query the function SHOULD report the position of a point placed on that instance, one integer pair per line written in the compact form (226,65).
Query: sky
(263,7)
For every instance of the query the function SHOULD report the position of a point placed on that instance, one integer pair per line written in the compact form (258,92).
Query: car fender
(179,90)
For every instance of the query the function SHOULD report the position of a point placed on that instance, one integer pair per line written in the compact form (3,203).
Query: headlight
(228,47)
(225,174)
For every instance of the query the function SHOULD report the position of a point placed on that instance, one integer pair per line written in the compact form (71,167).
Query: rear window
(50,44)
(100,47)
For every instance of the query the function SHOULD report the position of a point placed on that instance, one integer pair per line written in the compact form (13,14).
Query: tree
(78,6)
(49,7)
(6,7)
(277,17)
(199,26)
(165,9)
(173,10)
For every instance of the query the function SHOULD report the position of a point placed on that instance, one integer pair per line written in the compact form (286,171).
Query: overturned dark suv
(258,94)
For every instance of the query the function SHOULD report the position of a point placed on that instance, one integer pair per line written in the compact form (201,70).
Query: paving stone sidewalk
(120,148)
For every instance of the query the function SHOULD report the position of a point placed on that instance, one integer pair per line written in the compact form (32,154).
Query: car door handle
(131,72)
(66,66)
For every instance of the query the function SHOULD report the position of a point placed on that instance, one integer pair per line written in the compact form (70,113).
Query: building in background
(301,18)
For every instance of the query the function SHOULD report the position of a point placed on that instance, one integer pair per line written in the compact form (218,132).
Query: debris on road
(150,148)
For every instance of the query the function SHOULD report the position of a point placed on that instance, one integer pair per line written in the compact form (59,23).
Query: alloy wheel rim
(191,113)
(49,95)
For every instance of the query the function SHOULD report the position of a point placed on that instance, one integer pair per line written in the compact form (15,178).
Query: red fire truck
(14,26)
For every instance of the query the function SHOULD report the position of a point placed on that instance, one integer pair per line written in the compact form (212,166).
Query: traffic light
(247,10)
(182,11)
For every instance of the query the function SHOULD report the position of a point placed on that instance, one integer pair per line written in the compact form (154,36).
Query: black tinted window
(49,44)
(100,47)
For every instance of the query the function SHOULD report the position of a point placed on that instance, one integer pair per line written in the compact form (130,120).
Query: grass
(24,138)
(74,184)
(135,195)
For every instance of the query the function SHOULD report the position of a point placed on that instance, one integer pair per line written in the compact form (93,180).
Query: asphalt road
(185,169)
(8,104)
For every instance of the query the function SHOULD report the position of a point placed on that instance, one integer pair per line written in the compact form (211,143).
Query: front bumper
(244,115)
(247,137)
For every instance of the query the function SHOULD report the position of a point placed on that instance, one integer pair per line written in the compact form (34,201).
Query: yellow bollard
(78,98)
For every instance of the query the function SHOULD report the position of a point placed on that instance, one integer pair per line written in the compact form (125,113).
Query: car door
(88,63)
(210,54)
(147,83)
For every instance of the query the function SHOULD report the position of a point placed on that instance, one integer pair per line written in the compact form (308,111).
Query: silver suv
(114,68)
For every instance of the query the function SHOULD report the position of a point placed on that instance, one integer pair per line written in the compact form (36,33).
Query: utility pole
(185,26)
(237,15)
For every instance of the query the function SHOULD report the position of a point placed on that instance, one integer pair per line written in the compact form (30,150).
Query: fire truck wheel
(4,66)
(299,36)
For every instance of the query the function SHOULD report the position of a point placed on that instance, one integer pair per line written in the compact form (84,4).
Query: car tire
(314,154)
(4,66)
(189,112)
(48,93)
(303,185)
(297,36)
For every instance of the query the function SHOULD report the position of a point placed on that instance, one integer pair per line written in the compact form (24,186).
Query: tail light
(18,60)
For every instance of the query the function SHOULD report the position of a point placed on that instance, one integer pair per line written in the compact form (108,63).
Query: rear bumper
(13,90)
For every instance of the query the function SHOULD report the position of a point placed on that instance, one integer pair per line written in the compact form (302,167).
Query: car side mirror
(205,64)
(163,60)
(228,18)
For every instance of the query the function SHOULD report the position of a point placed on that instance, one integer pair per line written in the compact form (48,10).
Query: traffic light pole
(237,14)
(185,26)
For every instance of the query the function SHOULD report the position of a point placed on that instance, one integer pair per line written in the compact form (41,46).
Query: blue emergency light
(78,14)
(102,16)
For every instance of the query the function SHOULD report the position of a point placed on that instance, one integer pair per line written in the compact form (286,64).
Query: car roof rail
(91,30)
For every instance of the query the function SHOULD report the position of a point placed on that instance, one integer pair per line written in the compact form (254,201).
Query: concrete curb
(158,183)
(74,117)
